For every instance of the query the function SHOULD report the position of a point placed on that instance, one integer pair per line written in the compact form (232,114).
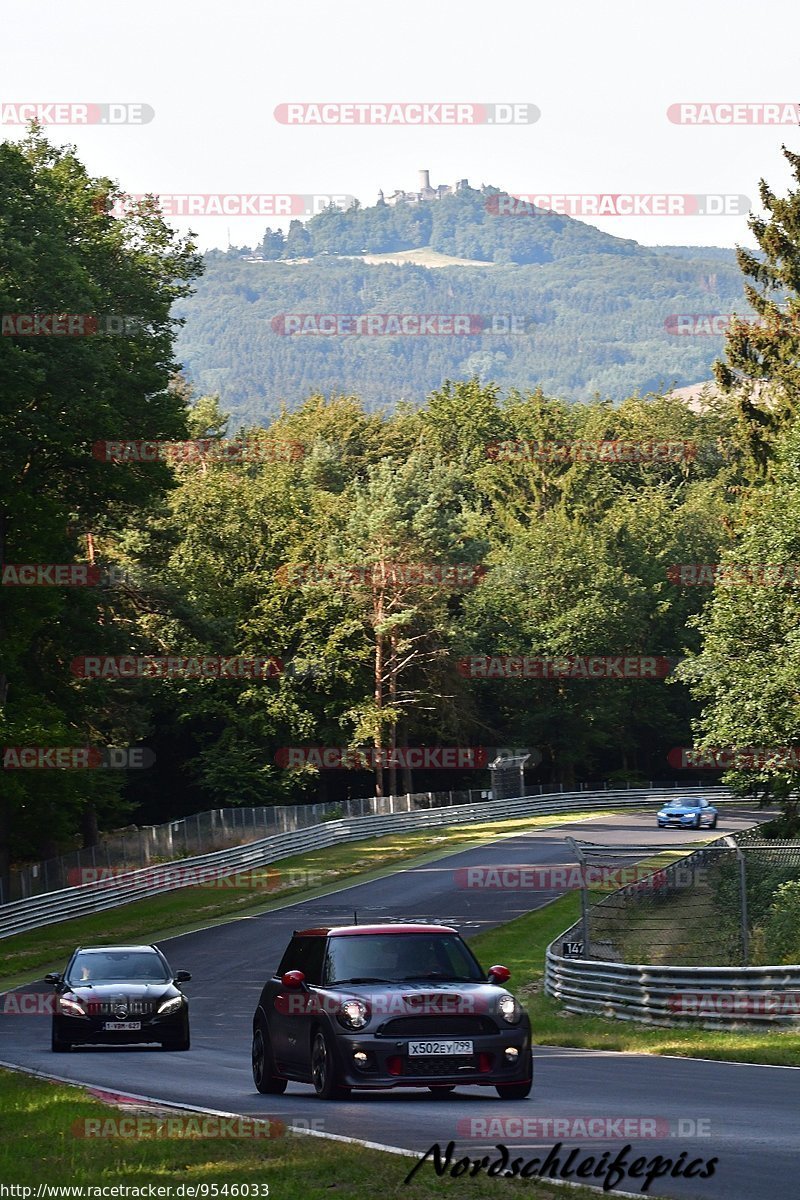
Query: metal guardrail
(38,911)
(709,996)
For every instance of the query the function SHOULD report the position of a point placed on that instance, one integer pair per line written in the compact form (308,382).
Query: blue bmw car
(687,812)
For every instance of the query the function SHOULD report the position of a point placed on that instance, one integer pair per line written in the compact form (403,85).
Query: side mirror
(499,974)
(183,976)
(53,978)
(293,979)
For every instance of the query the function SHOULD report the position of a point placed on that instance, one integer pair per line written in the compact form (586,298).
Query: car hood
(426,995)
(684,810)
(123,991)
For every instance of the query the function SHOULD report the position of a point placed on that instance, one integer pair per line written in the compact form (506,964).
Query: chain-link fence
(712,906)
(221,828)
(202,833)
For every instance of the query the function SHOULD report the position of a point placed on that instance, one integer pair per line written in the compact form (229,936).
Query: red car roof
(355,930)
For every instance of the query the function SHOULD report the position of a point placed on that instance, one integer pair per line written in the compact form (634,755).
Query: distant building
(425,193)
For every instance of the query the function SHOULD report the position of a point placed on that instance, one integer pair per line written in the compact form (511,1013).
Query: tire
(514,1091)
(264,1077)
(57,1045)
(697,821)
(442,1090)
(713,824)
(181,1043)
(323,1068)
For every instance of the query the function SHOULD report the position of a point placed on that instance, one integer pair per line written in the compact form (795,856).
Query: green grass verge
(27,956)
(521,945)
(38,1145)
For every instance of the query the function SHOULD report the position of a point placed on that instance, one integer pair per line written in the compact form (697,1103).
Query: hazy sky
(603,76)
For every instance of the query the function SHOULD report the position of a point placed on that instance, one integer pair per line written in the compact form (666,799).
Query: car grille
(108,1008)
(440,1064)
(437,1027)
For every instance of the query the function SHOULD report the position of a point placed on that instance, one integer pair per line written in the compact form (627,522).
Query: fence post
(576,850)
(743,901)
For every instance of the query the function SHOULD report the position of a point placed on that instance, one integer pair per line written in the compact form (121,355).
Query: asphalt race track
(745,1115)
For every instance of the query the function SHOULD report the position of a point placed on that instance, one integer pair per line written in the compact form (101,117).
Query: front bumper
(389,1064)
(90,1031)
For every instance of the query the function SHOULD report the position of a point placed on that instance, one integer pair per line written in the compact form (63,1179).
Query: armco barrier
(708,996)
(38,911)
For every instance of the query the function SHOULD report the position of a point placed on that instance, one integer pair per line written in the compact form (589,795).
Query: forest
(366,551)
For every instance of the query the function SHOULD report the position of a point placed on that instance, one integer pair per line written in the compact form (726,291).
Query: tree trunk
(408,781)
(89,830)
(378,616)
(392,701)
(5,812)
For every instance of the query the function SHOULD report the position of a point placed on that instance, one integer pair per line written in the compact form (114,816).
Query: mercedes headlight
(71,1006)
(170,1006)
(353,1014)
(509,1010)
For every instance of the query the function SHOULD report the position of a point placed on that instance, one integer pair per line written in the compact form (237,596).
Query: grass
(27,956)
(38,1144)
(521,945)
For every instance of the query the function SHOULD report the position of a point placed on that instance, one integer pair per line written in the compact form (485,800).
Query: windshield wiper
(361,979)
(437,975)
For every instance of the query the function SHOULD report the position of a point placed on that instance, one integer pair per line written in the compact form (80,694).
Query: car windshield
(681,804)
(399,957)
(117,966)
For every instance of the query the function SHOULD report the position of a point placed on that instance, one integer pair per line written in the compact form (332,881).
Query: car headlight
(170,1006)
(509,1010)
(70,1006)
(353,1014)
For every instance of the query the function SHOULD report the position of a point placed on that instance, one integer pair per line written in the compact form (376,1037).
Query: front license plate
(434,1048)
(126,1026)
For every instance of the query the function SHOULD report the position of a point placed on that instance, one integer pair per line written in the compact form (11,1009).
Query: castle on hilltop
(426,192)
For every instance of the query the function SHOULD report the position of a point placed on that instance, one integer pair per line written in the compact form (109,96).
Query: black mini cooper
(386,1006)
(118,995)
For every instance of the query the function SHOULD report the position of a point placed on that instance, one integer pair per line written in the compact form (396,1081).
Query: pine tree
(763,356)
